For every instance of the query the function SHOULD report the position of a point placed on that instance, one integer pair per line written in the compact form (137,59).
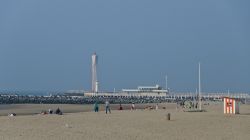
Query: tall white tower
(94,73)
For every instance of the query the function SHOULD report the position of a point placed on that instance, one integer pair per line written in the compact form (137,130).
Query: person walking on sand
(96,107)
(107,105)
(156,107)
(133,106)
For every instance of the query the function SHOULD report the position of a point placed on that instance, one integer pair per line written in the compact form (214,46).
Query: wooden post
(168,116)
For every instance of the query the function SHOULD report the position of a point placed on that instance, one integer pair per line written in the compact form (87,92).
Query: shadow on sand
(244,114)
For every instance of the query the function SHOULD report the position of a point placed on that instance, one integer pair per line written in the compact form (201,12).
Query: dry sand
(130,125)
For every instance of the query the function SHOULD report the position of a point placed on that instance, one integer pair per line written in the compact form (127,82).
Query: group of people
(108,108)
(58,112)
(187,105)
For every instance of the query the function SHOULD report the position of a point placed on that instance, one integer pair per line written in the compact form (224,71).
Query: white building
(151,91)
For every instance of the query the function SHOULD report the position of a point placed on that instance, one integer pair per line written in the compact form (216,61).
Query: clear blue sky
(47,44)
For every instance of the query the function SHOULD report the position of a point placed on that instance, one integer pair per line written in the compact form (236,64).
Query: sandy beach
(128,125)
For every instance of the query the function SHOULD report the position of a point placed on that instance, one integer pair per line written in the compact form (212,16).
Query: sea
(31,92)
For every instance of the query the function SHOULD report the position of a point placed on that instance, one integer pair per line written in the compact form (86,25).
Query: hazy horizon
(47,45)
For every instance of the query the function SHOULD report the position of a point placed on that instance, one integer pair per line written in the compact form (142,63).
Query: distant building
(141,91)
(147,91)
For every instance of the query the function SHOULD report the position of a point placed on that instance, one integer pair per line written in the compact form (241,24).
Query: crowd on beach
(108,108)
(181,104)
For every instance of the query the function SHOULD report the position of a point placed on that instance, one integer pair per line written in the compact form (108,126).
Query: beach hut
(231,106)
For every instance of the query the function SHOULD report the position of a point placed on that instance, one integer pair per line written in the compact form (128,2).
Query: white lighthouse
(94,73)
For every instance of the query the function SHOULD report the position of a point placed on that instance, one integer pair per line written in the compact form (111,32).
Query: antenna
(200,86)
